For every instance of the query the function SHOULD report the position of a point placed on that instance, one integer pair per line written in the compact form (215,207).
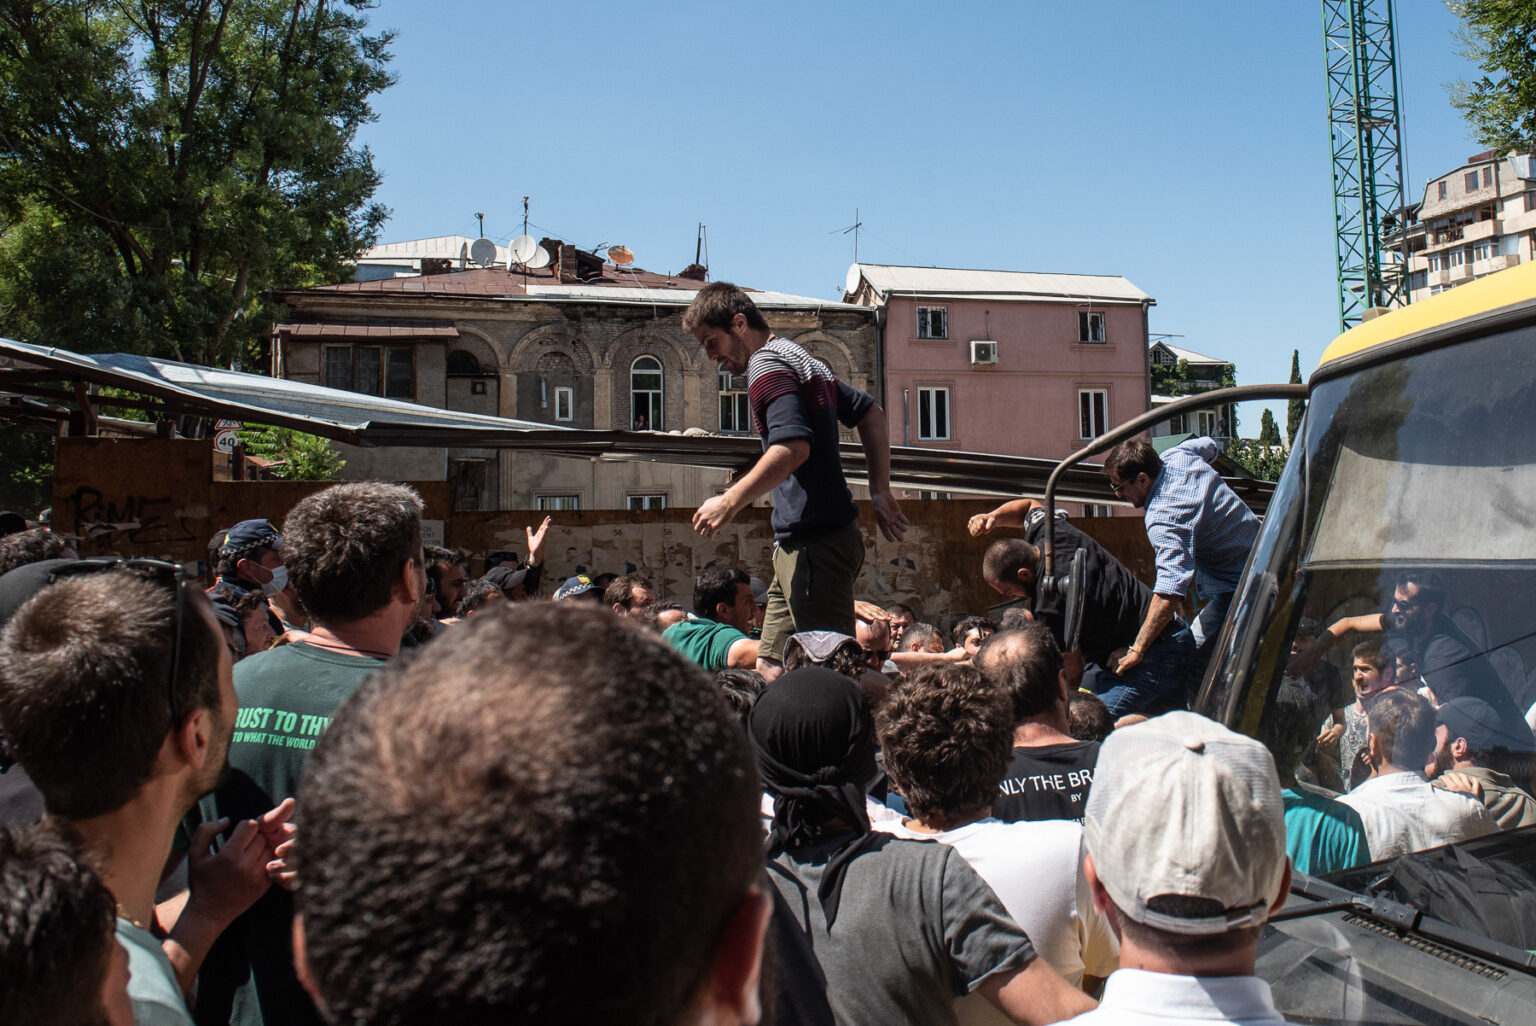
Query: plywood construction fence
(155,497)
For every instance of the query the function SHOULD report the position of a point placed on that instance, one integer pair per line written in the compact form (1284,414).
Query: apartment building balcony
(1440,277)
(1497,263)
(1459,274)
(1482,229)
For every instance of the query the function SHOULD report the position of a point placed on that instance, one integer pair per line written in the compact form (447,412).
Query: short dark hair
(620,591)
(1026,665)
(345,547)
(440,559)
(85,673)
(1131,457)
(717,304)
(958,632)
(56,930)
(1088,717)
(717,584)
(476,594)
(32,546)
(900,609)
(1430,584)
(946,734)
(1006,557)
(1404,725)
(226,564)
(1015,617)
(920,636)
(1370,652)
(741,689)
(582,798)
(848,658)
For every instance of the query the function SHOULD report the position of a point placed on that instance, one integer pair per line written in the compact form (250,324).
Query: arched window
(461,362)
(645,391)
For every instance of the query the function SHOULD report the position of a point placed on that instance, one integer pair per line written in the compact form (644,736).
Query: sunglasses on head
(156,570)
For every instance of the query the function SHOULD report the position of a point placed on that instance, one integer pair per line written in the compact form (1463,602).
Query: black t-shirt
(1453,667)
(1116,603)
(1048,782)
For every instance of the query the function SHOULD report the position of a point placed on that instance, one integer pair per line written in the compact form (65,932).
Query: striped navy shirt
(795,396)
(1199,529)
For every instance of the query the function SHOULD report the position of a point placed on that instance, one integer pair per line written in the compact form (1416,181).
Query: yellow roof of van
(1502,288)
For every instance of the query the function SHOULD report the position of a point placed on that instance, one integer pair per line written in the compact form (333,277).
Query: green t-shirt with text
(288,696)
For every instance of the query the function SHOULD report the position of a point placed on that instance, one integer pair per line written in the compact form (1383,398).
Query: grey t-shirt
(916,928)
(153,990)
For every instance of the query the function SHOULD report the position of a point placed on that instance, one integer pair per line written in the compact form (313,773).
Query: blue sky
(1182,145)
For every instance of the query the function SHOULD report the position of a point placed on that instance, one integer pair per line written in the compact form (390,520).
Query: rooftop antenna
(524,260)
(701,248)
(857,224)
(481,218)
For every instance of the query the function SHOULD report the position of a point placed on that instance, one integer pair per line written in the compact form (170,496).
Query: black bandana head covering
(815,747)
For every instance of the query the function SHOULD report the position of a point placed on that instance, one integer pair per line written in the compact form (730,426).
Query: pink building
(1010,362)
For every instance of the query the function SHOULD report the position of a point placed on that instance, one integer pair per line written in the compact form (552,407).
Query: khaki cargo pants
(812,587)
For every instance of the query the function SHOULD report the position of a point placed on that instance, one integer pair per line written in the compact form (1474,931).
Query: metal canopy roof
(375,421)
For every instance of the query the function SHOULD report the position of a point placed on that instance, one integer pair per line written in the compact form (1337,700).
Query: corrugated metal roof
(302,330)
(961,283)
(1180,353)
(375,421)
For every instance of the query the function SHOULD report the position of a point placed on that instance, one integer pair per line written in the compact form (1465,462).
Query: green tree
(163,162)
(1269,434)
(1294,408)
(1500,104)
(26,470)
(300,457)
(1261,461)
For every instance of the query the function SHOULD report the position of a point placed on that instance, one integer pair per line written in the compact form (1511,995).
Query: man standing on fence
(797,405)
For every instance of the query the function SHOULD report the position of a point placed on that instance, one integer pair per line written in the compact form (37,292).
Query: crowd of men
(348,782)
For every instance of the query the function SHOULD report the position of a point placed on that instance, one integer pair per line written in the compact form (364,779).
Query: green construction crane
(1365,139)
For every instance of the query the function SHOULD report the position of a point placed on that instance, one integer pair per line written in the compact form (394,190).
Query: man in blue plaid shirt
(1200,532)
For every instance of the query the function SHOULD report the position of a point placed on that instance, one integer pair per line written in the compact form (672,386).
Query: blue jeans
(1206,626)
(1154,685)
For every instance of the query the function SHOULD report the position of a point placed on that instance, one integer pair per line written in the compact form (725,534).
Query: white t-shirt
(1135,997)
(1403,812)
(1035,868)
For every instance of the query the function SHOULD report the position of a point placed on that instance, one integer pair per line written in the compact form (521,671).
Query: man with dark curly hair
(59,961)
(354,554)
(946,733)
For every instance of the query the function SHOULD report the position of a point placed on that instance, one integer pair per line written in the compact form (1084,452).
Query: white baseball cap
(1182,806)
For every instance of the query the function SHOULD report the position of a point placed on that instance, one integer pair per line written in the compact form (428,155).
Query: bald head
(1026,663)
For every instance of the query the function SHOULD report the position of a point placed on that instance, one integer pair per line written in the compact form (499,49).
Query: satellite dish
(523,249)
(539,259)
(851,283)
(483,252)
(620,255)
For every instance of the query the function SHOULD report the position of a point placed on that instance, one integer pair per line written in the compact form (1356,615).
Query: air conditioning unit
(983,351)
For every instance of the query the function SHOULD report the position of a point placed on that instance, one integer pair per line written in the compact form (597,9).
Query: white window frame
(1206,423)
(735,406)
(1086,321)
(639,502)
(933,400)
(933,322)
(555,503)
(653,399)
(565,402)
(1092,412)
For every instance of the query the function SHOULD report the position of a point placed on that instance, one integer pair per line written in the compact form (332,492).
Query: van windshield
(1397,563)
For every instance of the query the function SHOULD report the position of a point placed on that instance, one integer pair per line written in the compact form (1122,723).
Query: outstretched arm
(1009,514)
